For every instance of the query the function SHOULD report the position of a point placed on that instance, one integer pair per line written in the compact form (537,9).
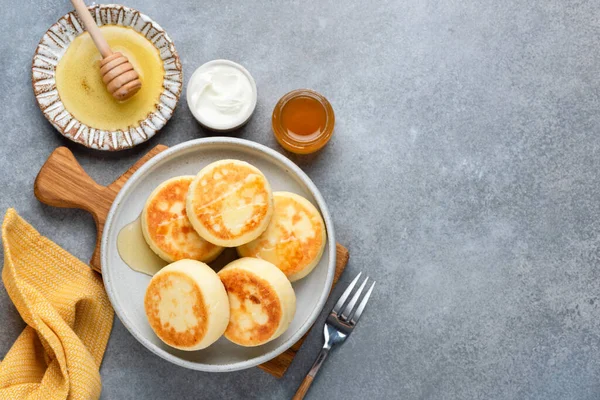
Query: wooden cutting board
(62,182)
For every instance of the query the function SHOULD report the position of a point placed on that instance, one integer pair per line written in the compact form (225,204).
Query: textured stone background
(463,176)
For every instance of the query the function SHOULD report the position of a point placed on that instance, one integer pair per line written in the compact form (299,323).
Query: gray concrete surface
(463,175)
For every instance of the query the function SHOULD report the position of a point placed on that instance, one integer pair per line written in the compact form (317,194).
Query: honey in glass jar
(303,121)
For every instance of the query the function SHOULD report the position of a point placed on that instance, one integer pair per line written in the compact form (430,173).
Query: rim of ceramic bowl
(52,47)
(323,296)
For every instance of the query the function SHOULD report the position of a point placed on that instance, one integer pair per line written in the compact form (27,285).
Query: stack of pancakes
(189,220)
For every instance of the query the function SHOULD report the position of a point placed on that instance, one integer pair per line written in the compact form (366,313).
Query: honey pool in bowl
(84,94)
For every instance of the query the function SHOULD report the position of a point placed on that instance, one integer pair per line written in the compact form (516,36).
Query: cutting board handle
(62,182)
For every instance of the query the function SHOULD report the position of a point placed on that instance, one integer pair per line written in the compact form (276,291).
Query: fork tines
(351,313)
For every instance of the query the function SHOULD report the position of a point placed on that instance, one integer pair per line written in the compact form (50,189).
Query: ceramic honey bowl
(69,88)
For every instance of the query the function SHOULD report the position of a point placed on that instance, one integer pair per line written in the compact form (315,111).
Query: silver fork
(337,328)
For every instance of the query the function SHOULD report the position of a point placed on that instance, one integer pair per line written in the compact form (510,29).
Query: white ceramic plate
(126,288)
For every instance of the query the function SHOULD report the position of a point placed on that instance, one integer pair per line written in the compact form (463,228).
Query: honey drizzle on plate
(135,252)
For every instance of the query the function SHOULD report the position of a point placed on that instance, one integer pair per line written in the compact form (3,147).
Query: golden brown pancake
(187,305)
(261,299)
(229,203)
(295,238)
(166,227)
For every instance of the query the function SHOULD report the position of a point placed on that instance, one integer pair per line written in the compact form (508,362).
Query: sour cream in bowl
(221,95)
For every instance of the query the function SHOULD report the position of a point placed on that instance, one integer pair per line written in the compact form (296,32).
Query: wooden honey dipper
(119,76)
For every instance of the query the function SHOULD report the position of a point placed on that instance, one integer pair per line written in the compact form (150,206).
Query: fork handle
(308,380)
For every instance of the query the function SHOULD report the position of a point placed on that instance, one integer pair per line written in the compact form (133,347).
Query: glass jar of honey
(303,121)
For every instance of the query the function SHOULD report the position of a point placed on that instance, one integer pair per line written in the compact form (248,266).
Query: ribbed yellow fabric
(68,314)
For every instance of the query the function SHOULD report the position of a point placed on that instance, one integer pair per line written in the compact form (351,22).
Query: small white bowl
(235,123)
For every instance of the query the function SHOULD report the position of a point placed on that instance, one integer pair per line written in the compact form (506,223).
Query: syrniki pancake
(295,238)
(166,227)
(262,301)
(186,305)
(229,203)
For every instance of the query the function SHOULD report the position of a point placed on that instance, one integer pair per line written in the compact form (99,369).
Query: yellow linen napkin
(68,314)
